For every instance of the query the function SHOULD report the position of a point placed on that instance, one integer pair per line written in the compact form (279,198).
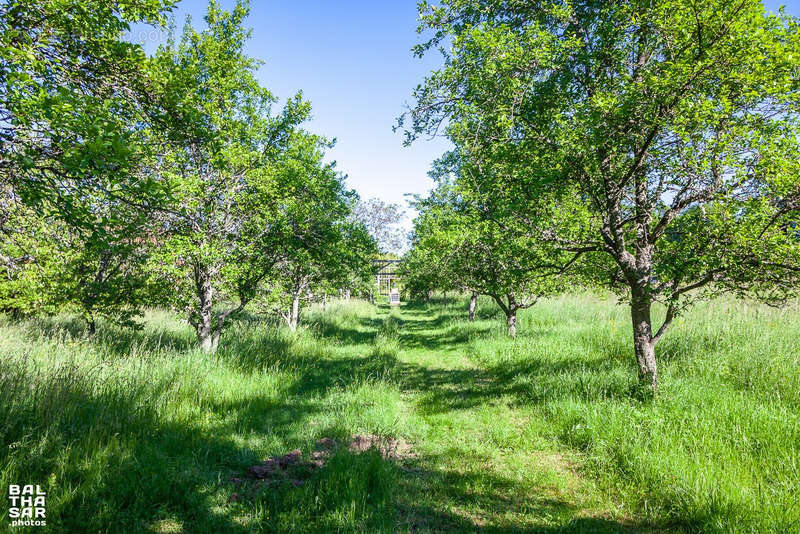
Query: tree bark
(295,313)
(472,302)
(92,326)
(203,327)
(510,310)
(215,340)
(511,320)
(643,342)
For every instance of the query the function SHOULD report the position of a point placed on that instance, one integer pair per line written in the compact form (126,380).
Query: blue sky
(352,60)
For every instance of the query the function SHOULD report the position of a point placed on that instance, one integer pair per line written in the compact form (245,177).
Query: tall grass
(142,432)
(717,450)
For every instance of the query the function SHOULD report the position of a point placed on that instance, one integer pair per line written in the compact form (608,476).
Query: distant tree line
(166,180)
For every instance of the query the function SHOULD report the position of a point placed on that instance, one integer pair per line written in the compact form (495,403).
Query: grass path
(485,466)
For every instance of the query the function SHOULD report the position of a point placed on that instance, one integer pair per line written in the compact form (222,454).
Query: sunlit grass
(142,432)
(717,450)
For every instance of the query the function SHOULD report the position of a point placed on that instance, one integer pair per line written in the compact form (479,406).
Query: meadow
(467,430)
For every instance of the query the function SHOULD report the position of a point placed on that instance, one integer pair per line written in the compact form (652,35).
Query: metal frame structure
(386,277)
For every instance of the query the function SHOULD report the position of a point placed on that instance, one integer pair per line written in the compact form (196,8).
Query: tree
(340,258)
(674,122)
(381,220)
(98,271)
(72,97)
(322,246)
(222,157)
(75,103)
(102,271)
(421,267)
(483,256)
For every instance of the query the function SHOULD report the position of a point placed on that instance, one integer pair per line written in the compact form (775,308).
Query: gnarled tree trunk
(643,342)
(203,326)
(510,309)
(511,321)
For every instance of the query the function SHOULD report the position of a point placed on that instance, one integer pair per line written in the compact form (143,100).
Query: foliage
(222,166)
(164,179)
(456,246)
(52,266)
(75,106)
(321,246)
(103,270)
(29,259)
(72,97)
(674,123)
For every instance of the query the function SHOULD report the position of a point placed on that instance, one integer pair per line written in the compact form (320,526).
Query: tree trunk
(215,339)
(511,320)
(295,313)
(643,343)
(204,335)
(203,327)
(472,302)
(206,340)
(92,326)
(444,299)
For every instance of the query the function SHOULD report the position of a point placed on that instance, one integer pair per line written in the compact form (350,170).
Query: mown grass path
(482,466)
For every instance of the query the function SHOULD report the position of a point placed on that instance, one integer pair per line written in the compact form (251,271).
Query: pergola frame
(386,277)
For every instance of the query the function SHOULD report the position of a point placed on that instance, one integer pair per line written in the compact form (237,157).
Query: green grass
(550,433)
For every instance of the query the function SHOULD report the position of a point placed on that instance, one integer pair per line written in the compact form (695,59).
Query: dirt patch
(276,465)
(294,469)
(390,448)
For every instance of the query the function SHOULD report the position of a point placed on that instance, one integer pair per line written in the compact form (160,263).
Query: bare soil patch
(294,469)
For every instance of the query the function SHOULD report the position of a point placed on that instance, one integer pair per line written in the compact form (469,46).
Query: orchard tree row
(648,146)
(173,179)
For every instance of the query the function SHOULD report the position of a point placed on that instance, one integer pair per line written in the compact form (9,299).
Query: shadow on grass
(454,308)
(369,492)
(417,335)
(111,462)
(533,380)
(327,328)
(443,390)
(107,458)
(119,465)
